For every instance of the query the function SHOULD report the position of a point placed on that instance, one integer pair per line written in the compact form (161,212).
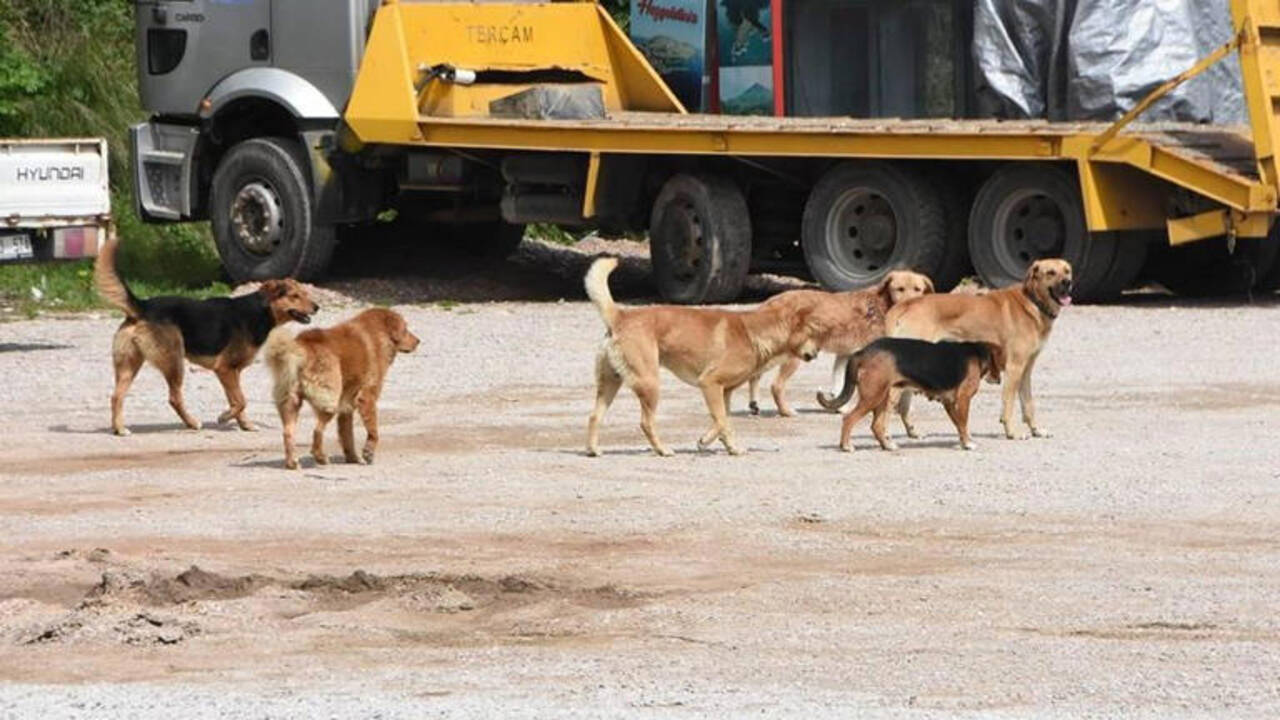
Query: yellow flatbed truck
(466,113)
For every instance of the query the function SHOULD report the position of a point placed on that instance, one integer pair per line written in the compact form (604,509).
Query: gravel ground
(1128,566)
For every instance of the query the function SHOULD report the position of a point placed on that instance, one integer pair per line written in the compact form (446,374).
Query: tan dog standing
(1018,319)
(852,319)
(715,350)
(338,371)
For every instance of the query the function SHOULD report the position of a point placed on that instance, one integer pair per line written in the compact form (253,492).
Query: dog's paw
(593,452)
(890,446)
(785,411)
(367,455)
(121,431)
(226,417)
(846,447)
(666,452)
(248,426)
(735,450)
(1041,433)
(968,445)
(912,432)
(321,458)
(291,464)
(195,425)
(754,407)
(1015,435)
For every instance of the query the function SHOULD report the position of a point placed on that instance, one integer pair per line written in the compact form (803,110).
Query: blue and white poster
(672,35)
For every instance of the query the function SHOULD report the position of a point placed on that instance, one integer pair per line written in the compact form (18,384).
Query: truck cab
(245,98)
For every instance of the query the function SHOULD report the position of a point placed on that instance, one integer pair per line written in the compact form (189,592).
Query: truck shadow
(393,271)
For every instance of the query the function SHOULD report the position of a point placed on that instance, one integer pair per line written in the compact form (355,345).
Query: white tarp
(1095,59)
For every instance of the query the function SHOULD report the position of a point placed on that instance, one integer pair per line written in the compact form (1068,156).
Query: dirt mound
(127,628)
(118,586)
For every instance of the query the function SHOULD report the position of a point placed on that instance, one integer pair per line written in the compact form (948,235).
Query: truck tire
(1028,211)
(700,240)
(262,215)
(1207,269)
(865,219)
(1128,257)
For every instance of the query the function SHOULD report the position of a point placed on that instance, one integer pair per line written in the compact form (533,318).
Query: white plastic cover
(1095,59)
(47,183)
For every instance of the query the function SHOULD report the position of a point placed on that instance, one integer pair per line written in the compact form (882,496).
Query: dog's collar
(1039,304)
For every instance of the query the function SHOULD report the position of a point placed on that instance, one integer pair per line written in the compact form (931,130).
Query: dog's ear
(1033,274)
(274,289)
(928,284)
(883,289)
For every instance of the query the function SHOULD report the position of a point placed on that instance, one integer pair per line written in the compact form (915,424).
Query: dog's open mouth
(300,316)
(1061,295)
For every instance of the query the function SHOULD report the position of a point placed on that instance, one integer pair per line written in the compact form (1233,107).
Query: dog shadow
(31,347)
(146,429)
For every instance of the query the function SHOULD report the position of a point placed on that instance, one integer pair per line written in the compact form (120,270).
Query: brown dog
(221,334)
(948,372)
(715,350)
(337,371)
(1018,319)
(852,319)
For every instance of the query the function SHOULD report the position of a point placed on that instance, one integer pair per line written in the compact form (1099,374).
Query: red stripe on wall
(779,82)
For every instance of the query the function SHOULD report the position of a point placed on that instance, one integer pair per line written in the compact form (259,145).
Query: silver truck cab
(245,97)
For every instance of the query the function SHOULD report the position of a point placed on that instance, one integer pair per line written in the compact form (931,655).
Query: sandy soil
(1128,566)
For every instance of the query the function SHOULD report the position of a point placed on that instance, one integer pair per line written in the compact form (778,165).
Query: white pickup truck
(54,198)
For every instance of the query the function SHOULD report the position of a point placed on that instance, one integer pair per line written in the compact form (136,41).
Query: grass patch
(31,288)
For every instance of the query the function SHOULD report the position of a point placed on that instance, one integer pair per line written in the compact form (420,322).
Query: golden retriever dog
(714,350)
(338,371)
(1017,319)
(948,372)
(220,334)
(852,319)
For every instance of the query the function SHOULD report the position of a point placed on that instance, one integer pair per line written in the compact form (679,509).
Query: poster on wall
(672,35)
(744,32)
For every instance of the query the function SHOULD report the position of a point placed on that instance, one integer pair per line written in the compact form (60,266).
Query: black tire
(1128,258)
(1025,212)
(865,219)
(700,240)
(264,182)
(1208,269)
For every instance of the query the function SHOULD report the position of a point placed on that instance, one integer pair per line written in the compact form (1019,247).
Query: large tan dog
(852,320)
(715,350)
(337,371)
(1017,319)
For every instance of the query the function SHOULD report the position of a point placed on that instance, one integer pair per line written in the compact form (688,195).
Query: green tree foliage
(67,70)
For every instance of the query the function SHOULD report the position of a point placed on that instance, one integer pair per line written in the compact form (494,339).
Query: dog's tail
(850,384)
(108,282)
(597,283)
(283,358)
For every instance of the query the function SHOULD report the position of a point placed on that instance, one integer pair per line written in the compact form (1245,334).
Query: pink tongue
(1064,300)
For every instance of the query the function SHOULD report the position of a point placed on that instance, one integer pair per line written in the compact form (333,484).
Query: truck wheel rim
(862,232)
(1029,226)
(686,243)
(257,218)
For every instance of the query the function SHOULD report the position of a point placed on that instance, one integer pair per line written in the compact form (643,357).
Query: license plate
(15,247)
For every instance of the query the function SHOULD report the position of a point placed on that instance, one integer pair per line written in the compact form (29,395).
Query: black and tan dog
(221,334)
(948,372)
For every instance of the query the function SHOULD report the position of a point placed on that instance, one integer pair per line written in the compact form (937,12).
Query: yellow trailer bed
(1190,182)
